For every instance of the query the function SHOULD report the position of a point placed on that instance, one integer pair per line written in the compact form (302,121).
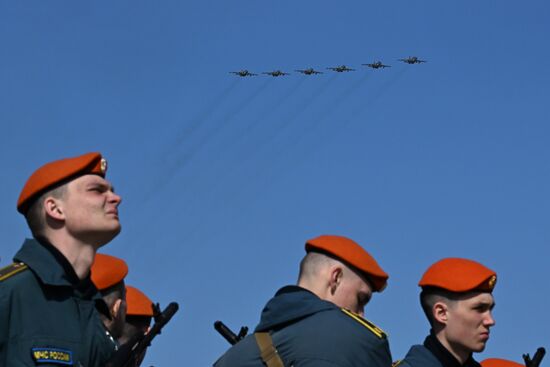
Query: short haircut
(431,295)
(35,216)
(312,263)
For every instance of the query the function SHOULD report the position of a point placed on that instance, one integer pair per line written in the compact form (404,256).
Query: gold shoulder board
(11,270)
(396,363)
(366,323)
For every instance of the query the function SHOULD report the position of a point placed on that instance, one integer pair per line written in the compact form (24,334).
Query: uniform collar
(291,303)
(51,267)
(443,355)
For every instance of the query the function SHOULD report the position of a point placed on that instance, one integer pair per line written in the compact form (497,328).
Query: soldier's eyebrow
(102,185)
(481,305)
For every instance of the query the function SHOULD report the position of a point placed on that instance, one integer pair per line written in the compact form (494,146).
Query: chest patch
(52,355)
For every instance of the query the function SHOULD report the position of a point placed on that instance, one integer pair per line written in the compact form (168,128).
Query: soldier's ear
(336,273)
(54,208)
(440,312)
(117,308)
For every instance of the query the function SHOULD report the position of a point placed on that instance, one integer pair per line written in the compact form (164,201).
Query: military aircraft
(412,60)
(340,68)
(242,73)
(275,73)
(309,71)
(377,65)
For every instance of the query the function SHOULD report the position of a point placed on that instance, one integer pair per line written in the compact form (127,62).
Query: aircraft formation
(338,69)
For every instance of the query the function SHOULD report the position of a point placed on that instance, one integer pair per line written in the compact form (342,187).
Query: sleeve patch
(11,270)
(52,356)
(366,323)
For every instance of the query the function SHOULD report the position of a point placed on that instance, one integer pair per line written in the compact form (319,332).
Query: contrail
(286,122)
(169,169)
(326,113)
(330,135)
(273,107)
(362,107)
(175,166)
(303,106)
(250,152)
(210,108)
(244,135)
(334,104)
(217,129)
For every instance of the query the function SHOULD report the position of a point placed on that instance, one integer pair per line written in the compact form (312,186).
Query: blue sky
(224,178)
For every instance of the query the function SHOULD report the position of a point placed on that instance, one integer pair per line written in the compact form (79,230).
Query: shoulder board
(396,363)
(366,323)
(11,270)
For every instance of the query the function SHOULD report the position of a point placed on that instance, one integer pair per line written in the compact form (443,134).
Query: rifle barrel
(226,332)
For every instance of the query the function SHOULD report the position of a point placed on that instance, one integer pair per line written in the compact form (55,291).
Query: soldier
(47,300)
(108,273)
(319,322)
(458,302)
(138,317)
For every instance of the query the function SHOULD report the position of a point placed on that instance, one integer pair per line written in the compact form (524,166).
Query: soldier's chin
(108,236)
(481,348)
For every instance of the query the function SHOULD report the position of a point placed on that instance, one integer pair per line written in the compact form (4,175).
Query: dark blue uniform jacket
(310,332)
(48,316)
(433,354)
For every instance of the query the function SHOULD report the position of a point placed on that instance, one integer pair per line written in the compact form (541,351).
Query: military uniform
(307,331)
(456,276)
(433,354)
(48,317)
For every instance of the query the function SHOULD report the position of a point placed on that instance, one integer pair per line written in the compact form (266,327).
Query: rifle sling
(268,352)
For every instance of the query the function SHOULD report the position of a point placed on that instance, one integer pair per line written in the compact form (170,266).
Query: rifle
(537,358)
(228,334)
(126,355)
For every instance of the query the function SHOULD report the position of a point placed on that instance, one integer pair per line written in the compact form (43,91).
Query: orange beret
(497,362)
(350,252)
(107,271)
(459,275)
(138,303)
(56,172)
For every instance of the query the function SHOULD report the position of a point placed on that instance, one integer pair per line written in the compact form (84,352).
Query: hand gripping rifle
(126,355)
(537,358)
(228,334)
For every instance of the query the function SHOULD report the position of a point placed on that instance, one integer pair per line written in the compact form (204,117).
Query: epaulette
(11,270)
(366,323)
(396,363)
